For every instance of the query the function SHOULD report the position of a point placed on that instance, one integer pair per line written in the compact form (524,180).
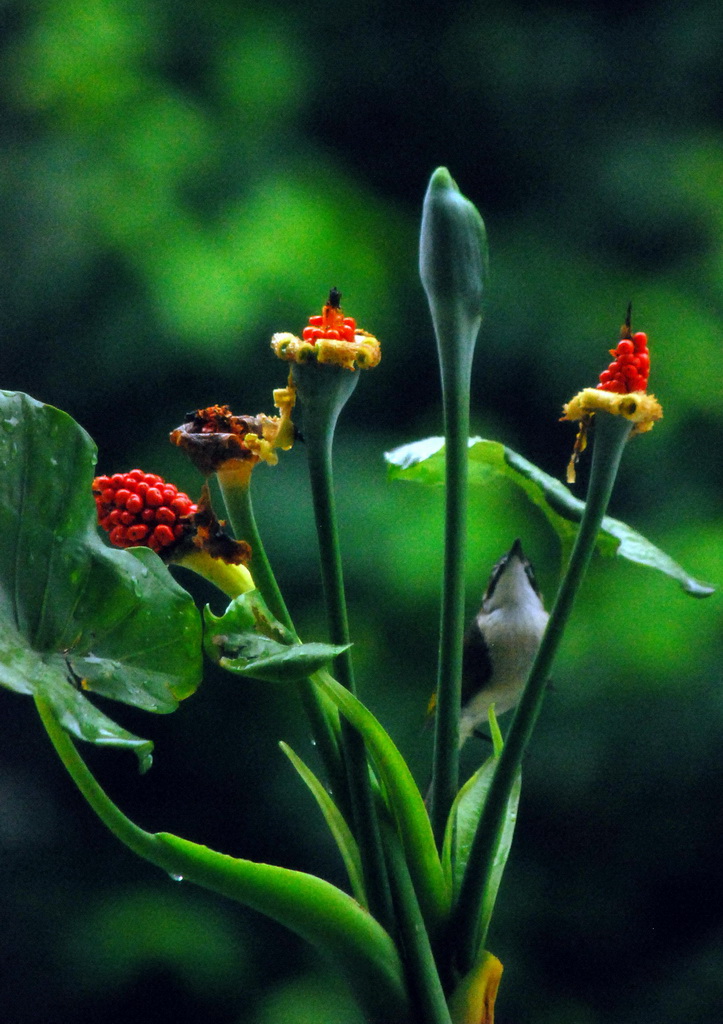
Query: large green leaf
(423,462)
(76,616)
(248,641)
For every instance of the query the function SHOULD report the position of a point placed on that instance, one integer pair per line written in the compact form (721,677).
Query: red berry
(625,347)
(138,533)
(118,536)
(134,504)
(181,505)
(154,498)
(164,535)
(165,515)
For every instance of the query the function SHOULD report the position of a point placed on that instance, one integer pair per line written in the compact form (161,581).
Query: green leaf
(248,641)
(462,826)
(77,617)
(313,908)
(404,799)
(423,462)
(337,825)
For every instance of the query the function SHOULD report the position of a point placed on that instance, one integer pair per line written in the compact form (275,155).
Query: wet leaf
(76,616)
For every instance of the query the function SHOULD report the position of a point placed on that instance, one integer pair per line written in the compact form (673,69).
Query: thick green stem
(323,391)
(323,719)
(424,980)
(611,433)
(445,777)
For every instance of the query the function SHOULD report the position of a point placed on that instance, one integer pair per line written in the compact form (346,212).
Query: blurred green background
(180,180)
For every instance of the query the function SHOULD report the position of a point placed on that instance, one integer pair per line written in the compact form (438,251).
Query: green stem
(236,492)
(323,719)
(140,842)
(445,777)
(424,978)
(319,447)
(611,433)
(323,390)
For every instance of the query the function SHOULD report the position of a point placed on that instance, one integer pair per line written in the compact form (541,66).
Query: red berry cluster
(343,328)
(140,508)
(332,324)
(630,367)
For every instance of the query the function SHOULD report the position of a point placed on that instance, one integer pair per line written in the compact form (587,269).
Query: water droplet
(176,878)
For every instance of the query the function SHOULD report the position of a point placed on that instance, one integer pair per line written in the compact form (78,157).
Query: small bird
(501,642)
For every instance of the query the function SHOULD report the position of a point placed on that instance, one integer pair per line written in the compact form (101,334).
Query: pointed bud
(453,265)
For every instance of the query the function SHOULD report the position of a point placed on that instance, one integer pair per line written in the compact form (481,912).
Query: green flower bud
(453,265)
